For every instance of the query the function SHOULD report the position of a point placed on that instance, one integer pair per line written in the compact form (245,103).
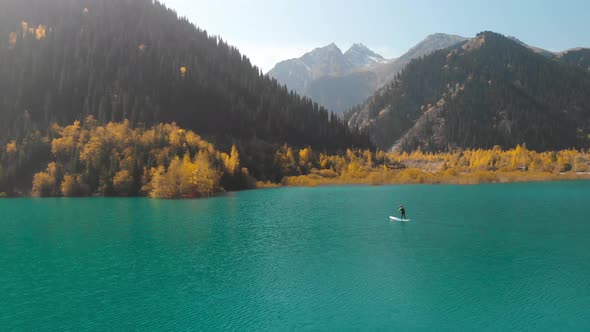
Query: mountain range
(489,90)
(64,61)
(340,80)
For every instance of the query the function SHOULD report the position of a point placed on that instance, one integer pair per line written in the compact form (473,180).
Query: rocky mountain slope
(490,90)
(430,44)
(359,56)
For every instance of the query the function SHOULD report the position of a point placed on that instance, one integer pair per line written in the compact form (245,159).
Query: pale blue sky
(268,31)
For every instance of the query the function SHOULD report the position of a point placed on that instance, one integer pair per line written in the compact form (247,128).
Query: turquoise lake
(486,257)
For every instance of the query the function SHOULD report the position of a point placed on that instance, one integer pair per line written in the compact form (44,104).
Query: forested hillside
(136,60)
(65,59)
(488,91)
(578,57)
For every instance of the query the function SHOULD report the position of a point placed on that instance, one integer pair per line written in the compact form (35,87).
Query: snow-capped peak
(360,55)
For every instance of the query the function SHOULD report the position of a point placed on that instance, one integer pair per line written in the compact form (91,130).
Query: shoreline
(425,177)
(359,184)
(558,178)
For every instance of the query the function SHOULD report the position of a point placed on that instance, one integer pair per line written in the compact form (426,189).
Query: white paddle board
(398,219)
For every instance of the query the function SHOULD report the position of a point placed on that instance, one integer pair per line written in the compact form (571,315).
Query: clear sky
(268,31)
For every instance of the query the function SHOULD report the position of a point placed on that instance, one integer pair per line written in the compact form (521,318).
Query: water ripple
(472,258)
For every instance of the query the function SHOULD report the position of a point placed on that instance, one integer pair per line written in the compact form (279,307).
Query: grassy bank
(418,176)
(458,167)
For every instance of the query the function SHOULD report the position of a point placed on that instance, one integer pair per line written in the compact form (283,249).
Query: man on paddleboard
(402,209)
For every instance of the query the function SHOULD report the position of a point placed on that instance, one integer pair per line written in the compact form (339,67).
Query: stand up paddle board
(398,219)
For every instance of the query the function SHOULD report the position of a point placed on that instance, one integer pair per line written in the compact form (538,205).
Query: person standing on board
(402,209)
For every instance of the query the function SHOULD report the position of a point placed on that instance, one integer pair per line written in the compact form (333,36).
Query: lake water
(486,257)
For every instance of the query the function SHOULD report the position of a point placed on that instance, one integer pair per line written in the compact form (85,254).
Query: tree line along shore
(165,161)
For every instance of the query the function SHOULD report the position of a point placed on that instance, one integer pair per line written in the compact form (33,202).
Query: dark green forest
(136,60)
(488,91)
(577,57)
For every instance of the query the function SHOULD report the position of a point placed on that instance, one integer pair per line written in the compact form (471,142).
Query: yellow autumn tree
(354,169)
(176,138)
(231,162)
(71,186)
(284,161)
(45,183)
(176,181)
(184,172)
(159,187)
(123,183)
(93,151)
(173,183)
(11,147)
(205,178)
(64,146)
(369,158)
(40,32)
(305,159)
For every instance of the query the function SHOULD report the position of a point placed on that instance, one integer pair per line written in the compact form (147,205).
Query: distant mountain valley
(339,81)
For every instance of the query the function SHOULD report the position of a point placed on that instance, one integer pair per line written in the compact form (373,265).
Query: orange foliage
(11,147)
(231,162)
(45,183)
(117,159)
(40,32)
(123,182)
(459,167)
